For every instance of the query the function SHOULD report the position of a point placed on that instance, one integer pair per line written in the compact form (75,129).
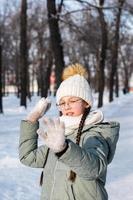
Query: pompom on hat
(74,69)
(75,84)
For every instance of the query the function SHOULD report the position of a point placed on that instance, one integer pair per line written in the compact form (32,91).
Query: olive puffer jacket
(89,161)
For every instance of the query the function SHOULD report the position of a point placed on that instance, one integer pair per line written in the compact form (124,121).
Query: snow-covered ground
(18,182)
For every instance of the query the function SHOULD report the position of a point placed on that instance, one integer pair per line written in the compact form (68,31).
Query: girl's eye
(61,104)
(72,101)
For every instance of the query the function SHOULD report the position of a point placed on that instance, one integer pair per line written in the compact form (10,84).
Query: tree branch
(97,7)
(60,7)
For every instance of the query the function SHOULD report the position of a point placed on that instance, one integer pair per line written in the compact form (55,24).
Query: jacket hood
(110,132)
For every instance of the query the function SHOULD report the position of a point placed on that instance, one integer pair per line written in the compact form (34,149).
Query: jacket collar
(72,123)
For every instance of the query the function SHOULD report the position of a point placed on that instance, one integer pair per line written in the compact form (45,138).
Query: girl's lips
(70,114)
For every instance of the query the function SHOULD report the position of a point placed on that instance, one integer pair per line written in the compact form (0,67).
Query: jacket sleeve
(29,152)
(89,161)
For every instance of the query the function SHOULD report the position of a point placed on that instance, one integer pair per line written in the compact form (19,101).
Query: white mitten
(54,138)
(39,110)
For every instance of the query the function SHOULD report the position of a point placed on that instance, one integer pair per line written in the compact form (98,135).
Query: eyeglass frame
(70,103)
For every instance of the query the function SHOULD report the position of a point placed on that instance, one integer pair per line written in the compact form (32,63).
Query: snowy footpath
(18,182)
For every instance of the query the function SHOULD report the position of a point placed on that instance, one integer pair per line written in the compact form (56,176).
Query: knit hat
(76,86)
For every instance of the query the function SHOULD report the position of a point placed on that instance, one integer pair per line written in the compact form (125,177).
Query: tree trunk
(17,73)
(126,75)
(102,57)
(1,104)
(23,53)
(117,85)
(56,41)
(115,50)
(126,82)
(44,74)
(49,63)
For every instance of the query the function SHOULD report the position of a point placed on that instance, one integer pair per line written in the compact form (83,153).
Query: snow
(18,182)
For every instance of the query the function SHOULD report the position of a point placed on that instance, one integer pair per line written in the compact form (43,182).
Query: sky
(18,182)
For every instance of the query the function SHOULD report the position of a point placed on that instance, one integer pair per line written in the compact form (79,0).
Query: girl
(78,146)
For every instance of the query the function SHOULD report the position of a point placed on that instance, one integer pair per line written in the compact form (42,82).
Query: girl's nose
(67,106)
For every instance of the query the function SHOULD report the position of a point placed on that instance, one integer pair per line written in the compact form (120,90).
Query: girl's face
(72,106)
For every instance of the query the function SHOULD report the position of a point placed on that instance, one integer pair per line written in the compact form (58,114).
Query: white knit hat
(76,86)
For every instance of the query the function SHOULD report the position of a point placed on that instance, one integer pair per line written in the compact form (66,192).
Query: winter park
(66,100)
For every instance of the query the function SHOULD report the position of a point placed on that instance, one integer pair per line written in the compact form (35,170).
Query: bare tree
(127,65)
(55,37)
(102,56)
(115,46)
(1,104)
(23,53)
(44,70)
(39,44)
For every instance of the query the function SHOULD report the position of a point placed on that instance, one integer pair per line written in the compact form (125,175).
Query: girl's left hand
(54,138)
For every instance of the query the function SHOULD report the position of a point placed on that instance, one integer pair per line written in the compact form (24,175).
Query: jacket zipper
(52,190)
(73,192)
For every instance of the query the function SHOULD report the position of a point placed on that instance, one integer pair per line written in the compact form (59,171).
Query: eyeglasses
(71,103)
